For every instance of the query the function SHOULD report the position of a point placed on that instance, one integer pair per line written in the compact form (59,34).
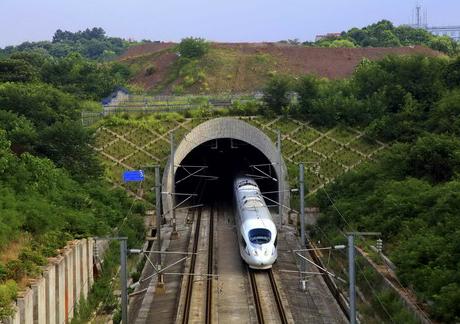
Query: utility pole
(302,215)
(124,279)
(352,272)
(158,210)
(160,287)
(302,204)
(352,278)
(280,181)
(174,234)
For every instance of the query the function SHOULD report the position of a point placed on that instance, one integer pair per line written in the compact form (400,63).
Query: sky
(216,20)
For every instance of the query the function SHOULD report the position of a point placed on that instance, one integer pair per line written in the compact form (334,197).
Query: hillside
(244,67)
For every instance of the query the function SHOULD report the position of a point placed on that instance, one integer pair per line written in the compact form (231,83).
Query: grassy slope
(241,68)
(220,70)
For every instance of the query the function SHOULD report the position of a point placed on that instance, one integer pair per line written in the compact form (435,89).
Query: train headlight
(255,252)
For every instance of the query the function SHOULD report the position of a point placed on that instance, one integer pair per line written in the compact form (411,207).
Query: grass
(326,146)
(288,147)
(119,150)
(159,149)
(141,136)
(306,135)
(308,157)
(343,134)
(286,126)
(12,251)
(224,70)
(330,169)
(347,157)
(103,138)
(364,145)
(139,160)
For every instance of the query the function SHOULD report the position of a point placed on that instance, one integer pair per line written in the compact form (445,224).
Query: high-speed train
(256,229)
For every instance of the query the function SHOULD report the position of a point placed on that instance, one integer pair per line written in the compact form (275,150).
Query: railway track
(264,303)
(209,281)
(194,291)
(189,287)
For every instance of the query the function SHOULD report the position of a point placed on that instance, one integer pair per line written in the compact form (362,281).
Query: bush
(191,47)
(150,70)
(8,292)
(276,94)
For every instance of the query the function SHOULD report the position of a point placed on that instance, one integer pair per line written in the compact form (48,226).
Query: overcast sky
(219,20)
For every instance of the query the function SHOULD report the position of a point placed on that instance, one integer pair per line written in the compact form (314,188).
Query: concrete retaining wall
(52,298)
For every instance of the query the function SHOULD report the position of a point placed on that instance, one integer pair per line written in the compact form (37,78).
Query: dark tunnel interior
(224,159)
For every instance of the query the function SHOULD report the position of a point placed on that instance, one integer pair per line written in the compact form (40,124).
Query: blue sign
(134,175)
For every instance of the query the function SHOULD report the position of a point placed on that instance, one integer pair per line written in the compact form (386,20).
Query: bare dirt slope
(244,67)
(332,63)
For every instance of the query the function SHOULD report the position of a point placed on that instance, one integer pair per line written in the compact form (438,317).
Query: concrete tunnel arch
(224,128)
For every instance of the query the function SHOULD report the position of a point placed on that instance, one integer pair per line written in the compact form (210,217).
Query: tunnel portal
(226,147)
(224,159)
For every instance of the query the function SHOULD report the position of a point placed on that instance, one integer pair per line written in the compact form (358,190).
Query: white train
(256,229)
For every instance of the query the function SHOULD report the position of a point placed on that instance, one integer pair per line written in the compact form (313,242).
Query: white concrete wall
(84,267)
(76,273)
(89,250)
(39,304)
(52,299)
(25,304)
(49,274)
(60,289)
(68,257)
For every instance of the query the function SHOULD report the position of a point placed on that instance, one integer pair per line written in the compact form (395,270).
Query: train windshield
(260,236)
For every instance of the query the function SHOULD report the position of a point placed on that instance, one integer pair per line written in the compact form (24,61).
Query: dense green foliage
(398,97)
(73,74)
(51,185)
(412,193)
(192,48)
(90,43)
(385,34)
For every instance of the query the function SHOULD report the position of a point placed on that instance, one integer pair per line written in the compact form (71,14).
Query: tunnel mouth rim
(210,169)
(219,128)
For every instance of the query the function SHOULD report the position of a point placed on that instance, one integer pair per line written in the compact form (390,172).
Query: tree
(342,43)
(17,71)
(307,89)
(451,74)
(191,47)
(445,117)
(444,44)
(66,143)
(276,94)
(435,157)
(41,103)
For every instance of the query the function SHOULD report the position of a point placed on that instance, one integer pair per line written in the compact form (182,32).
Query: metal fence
(160,104)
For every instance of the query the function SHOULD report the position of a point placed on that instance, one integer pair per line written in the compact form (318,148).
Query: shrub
(150,70)
(8,292)
(191,47)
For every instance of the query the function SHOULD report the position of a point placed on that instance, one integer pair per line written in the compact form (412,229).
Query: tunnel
(215,152)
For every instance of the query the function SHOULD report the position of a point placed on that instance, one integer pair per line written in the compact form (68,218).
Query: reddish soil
(332,63)
(144,49)
(162,64)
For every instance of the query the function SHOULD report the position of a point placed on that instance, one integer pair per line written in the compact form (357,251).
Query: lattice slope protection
(326,153)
